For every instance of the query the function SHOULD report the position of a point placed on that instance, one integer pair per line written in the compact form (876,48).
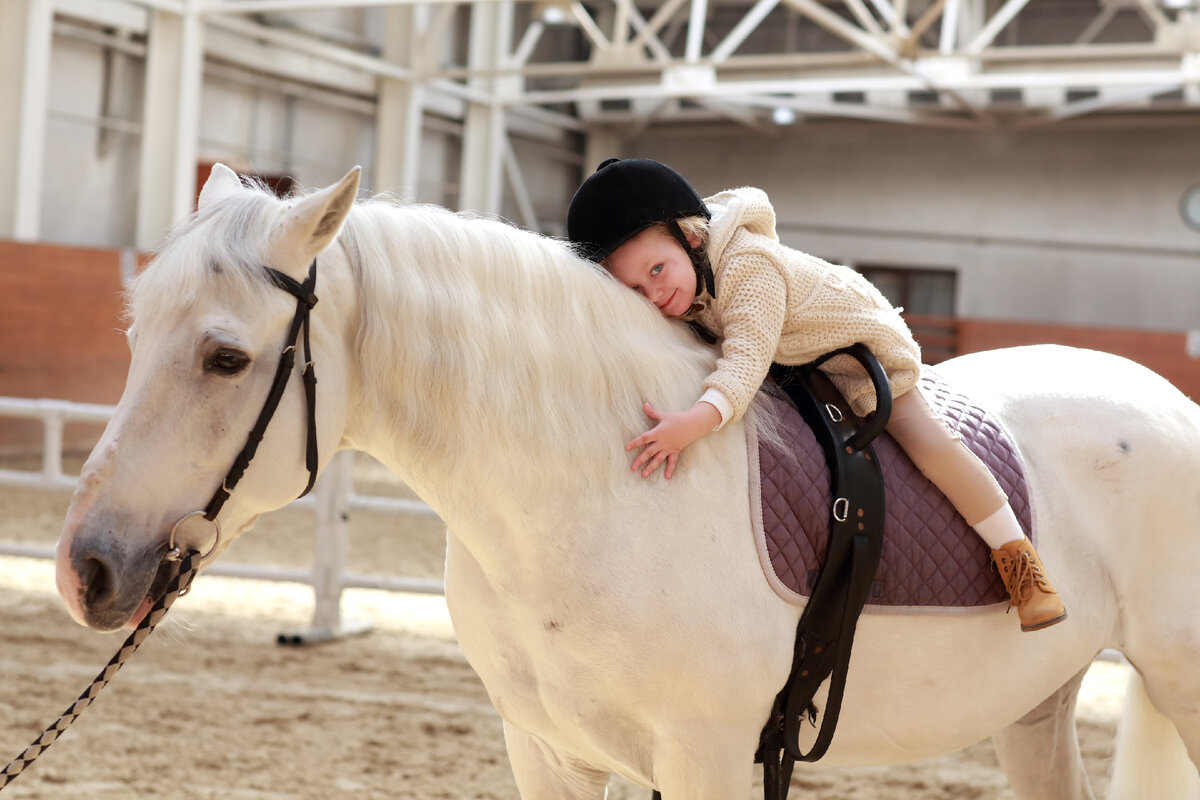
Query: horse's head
(208,329)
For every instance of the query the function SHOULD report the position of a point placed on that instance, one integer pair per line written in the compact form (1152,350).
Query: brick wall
(1165,352)
(61,333)
(60,323)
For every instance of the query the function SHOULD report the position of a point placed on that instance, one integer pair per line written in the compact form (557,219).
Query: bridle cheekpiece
(305,300)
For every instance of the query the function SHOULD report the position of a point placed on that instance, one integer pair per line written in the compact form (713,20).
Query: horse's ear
(314,222)
(221,180)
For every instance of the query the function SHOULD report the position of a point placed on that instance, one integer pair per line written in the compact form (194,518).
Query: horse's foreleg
(543,774)
(1040,752)
(713,767)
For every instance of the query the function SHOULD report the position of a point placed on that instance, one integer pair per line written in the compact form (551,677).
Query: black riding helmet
(622,198)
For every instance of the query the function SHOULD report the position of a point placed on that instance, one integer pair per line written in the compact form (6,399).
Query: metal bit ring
(175,552)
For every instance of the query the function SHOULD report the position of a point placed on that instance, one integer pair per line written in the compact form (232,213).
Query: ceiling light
(553,13)
(782,115)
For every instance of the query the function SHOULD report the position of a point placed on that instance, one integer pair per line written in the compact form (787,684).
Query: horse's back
(1062,376)
(1112,451)
(1087,423)
(1115,451)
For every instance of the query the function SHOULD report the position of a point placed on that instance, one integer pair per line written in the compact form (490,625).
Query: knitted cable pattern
(776,304)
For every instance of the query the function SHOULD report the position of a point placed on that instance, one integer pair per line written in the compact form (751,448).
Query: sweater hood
(733,209)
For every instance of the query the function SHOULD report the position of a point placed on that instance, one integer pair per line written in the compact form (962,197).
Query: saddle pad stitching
(953,414)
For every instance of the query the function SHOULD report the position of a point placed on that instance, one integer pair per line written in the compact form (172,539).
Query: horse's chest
(544,677)
(524,654)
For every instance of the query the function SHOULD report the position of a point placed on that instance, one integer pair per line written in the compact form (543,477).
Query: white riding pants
(943,458)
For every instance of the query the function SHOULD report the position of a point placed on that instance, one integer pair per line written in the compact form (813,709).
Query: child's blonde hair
(691,226)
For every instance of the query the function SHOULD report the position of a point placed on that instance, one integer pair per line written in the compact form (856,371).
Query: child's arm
(675,430)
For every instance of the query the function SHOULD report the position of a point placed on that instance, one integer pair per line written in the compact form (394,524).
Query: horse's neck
(502,391)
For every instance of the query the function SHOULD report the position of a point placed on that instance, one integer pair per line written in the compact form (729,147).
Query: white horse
(622,625)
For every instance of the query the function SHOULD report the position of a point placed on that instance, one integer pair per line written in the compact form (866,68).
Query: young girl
(718,262)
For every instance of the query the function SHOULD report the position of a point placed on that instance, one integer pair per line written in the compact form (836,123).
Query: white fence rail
(332,501)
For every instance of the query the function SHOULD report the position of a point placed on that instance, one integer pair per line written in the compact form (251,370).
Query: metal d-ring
(841,509)
(175,552)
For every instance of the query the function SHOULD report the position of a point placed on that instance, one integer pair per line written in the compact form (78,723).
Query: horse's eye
(226,362)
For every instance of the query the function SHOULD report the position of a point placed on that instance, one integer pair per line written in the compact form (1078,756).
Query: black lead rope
(189,562)
(177,588)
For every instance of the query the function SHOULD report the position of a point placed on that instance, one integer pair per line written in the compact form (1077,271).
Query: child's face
(653,264)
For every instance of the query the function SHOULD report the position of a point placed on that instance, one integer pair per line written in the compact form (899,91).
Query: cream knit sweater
(776,304)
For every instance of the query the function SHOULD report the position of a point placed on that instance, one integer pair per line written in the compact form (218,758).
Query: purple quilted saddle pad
(932,560)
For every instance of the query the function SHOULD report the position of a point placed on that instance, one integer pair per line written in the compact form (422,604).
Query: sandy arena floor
(212,708)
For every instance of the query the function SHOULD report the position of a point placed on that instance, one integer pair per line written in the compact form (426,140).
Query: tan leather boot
(1029,590)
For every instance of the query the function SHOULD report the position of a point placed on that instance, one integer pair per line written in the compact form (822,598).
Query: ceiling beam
(881,54)
(997,23)
(746,26)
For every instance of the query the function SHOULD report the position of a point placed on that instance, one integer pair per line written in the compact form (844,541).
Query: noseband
(305,300)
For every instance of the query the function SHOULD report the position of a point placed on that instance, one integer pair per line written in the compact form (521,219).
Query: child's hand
(675,430)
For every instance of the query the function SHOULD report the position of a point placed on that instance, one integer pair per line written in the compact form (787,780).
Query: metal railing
(331,502)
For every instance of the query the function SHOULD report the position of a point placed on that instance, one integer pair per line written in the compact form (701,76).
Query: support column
(600,144)
(332,494)
(398,114)
(171,120)
(480,184)
(26,28)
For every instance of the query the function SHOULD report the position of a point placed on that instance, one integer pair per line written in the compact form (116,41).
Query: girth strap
(825,632)
(305,300)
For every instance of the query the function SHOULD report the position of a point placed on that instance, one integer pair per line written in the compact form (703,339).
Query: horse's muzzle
(110,581)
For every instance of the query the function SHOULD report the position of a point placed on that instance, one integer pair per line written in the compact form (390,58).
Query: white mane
(470,330)
(226,242)
(549,346)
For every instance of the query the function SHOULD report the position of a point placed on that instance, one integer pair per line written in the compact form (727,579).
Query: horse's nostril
(108,584)
(95,582)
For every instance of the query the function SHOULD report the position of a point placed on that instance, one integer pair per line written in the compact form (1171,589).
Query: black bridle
(305,300)
(189,559)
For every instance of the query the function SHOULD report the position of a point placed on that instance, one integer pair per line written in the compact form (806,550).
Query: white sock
(1000,528)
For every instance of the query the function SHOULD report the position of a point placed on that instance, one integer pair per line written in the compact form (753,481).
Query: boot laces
(1022,580)
(1026,575)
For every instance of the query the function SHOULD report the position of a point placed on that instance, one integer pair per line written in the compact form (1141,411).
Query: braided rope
(177,588)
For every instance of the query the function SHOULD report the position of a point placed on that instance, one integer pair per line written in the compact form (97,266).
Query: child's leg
(943,458)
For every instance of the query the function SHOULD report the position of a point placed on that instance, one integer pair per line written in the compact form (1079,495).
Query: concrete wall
(252,124)
(1074,223)
(274,133)
(90,171)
